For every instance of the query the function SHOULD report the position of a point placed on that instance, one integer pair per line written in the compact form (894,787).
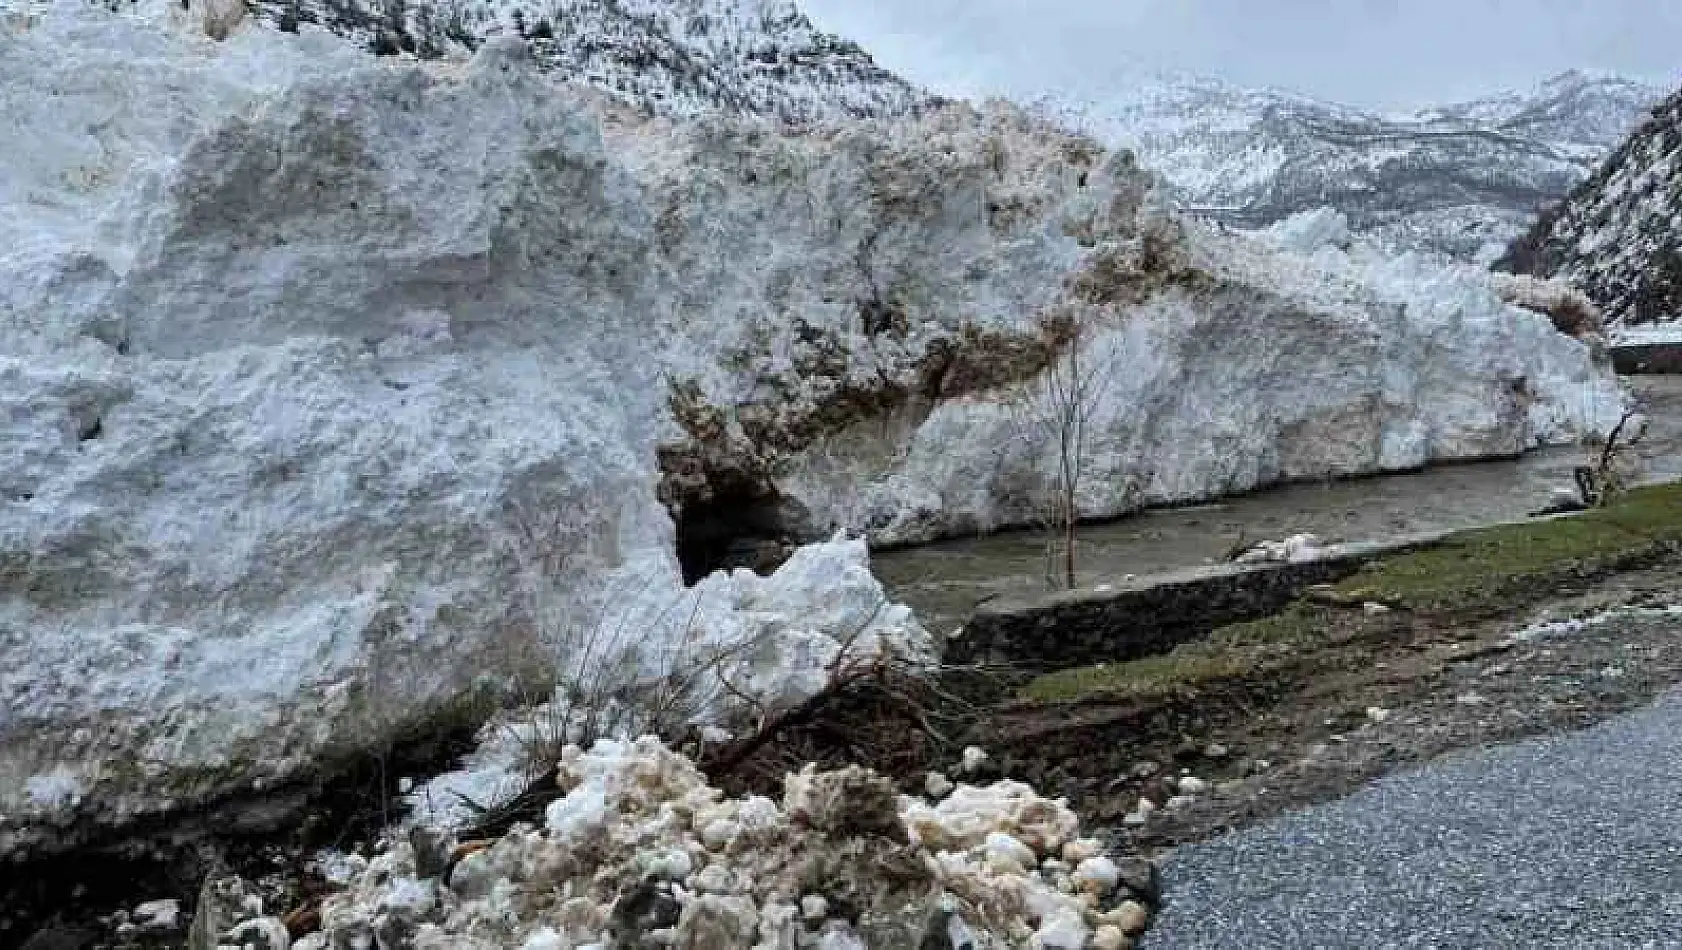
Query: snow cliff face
(743,57)
(310,361)
(1618,237)
(1463,179)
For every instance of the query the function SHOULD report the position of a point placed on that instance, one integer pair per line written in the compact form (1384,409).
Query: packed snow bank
(334,392)
(1317,356)
(640,851)
(774,638)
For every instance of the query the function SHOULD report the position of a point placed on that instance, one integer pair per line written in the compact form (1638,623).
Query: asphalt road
(1568,841)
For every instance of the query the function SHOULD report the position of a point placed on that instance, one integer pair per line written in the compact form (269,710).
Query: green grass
(1470,571)
(1294,624)
(1488,565)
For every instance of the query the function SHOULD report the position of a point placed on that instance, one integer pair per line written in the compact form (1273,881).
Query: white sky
(1374,53)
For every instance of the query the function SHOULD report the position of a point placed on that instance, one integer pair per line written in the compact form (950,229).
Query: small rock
(1145,806)
(937,785)
(1108,937)
(1192,785)
(1216,751)
(1178,802)
(1377,713)
(1470,699)
(814,908)
(1146,770)
(1141,878)
(1132,917)
(1080,849)
(1134,819)
(974,758)
(639,912)
(1375,609)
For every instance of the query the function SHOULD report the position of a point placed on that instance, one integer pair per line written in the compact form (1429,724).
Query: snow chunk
(60,788)
(158,915)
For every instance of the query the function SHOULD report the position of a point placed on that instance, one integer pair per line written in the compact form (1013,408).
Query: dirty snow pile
(335,390)
(777,639)
(640,851)
(1296,549)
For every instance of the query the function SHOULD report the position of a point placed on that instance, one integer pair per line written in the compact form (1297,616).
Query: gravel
(1569,841)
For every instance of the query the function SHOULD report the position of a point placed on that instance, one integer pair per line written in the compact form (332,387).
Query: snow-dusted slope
(745,57)
(1619,236)
(1462,179)
(311,361)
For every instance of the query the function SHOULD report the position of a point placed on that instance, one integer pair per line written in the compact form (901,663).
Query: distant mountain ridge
(1462,179)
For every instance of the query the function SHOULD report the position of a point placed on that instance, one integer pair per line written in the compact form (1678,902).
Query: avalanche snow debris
(828,867)
(334,390)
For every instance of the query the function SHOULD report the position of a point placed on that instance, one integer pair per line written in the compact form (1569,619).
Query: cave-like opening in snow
(735,527)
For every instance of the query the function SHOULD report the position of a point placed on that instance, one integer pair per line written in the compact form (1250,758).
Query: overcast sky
(1376,53)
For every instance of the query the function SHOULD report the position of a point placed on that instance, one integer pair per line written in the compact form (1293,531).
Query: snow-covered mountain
(1464,179)
(755,57)
(1618,237)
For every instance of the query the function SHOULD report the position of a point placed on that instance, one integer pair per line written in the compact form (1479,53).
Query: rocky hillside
(1463,179)
(1618,237)
(745,57)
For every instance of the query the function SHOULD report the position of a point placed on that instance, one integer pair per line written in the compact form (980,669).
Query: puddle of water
(944,582)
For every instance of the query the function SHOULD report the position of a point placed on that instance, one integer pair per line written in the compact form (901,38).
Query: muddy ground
(1301,732)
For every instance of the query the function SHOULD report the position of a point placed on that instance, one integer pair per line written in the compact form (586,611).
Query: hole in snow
(736,528)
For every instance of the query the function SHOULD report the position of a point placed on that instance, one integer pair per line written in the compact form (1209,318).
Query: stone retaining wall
(1150,615)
